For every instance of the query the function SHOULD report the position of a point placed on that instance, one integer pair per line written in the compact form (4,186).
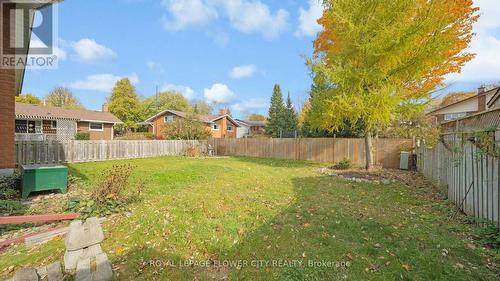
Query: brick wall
(105,134)
(7,112)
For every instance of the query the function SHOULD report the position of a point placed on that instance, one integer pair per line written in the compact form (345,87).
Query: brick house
(485,99)
(11,80)
(220,126)
(37,122)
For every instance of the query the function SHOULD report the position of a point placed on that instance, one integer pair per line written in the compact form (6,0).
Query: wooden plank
(38,218)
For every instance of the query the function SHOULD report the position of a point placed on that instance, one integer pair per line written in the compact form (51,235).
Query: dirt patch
(379,176)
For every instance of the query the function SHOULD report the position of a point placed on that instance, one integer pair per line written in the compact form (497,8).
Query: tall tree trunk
(368,150)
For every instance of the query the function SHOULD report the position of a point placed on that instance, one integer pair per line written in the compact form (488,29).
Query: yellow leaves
(119,251)
(306,225)
(407,267)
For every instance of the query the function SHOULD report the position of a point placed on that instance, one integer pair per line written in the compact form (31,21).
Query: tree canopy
(124,104)
(256,117)
(189,128)
(276,110)
(63,97)
(378,58)
(455,97)
(165,100)
(28,98)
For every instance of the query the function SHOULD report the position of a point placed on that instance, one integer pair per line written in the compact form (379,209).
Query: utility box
(404,160)
(42,178)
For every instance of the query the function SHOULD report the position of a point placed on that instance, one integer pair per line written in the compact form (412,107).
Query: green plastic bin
(42,178)
(404,160)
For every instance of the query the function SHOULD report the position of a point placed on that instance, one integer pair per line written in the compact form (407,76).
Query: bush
(193,151)
(9,186)
(111,195)
(489,235)
(136,136)
(345,164)
(82,136)
(188,128)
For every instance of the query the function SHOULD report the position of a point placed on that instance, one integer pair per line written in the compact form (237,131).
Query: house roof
(24,110)
(496,89)
(252,123)
(494,98)
(203,118)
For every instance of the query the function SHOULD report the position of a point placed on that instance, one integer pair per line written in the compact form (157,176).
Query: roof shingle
(24,110)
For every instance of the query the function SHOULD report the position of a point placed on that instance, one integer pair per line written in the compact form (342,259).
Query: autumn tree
(256,117)
(28,98)
(201,107)
(63,97)
(276,110)
(164,100)
(378,57)
(455,97)
(124,104)
(189,128)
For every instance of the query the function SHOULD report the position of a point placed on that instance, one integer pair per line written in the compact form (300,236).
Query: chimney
(481,99)
(222,111)
(105,107)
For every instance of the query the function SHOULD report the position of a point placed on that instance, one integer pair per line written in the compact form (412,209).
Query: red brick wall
(7,113)
(105,134)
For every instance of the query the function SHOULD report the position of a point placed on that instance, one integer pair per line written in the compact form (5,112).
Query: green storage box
(404,160)
(42,178)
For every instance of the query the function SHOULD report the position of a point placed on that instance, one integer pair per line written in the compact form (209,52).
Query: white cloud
(155,67)
(255,17)
(221,39)
(250,105)
(186,91)
(308,19)
(187,13)
(101,82)
(219,93)
(485,67)
(88,50)
(248,16)
(243,71)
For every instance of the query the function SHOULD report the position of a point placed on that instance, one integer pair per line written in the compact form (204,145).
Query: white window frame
(215,127)
(167,119)
(96,130)
(454,116)
(52,124)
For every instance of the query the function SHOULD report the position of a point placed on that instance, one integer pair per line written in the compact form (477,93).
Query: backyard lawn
(275,220)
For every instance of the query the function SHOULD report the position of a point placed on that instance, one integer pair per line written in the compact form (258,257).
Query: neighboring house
(250,128)
(38,122)
(11,78)
(486,99)
(220,126)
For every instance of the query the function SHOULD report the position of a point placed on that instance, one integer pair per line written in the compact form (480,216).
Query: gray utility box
(404,160)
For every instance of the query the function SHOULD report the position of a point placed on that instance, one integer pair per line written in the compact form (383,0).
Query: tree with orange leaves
(381,57)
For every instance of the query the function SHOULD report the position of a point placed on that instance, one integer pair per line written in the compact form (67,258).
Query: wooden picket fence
(470,176)
(57,152)
(387,151)
(321,149)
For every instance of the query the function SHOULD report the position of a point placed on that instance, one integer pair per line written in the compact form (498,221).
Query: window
(229,128)
(215,127)
(169,119)
(454,116)
(28,127)
(96,127)
(53,124)
(21,126)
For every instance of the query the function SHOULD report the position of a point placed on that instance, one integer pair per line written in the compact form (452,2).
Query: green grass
(249,210)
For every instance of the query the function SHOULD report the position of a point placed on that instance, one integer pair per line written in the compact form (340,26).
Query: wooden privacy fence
(56,152)
(387,151)
(472,177)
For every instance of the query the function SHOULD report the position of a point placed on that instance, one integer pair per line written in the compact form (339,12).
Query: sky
(228,52)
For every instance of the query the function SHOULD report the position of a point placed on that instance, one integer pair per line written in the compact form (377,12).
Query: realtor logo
(28,25)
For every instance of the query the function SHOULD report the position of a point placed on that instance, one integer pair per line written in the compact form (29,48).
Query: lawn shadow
(272,162)
(73,171)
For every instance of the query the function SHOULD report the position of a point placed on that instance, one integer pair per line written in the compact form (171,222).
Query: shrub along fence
(470,175)
(323,150)
(387,151)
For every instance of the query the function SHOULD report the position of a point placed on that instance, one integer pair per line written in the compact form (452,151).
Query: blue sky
(227,51)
